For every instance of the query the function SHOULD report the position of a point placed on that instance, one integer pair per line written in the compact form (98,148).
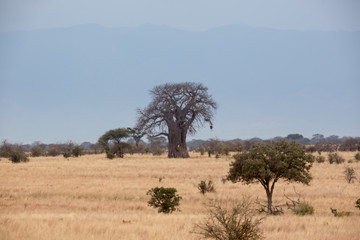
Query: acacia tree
(112,143)
(267,163)
(175,111)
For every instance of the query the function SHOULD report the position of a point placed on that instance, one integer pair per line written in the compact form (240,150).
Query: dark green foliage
(335,158)
(66,154)
(267,163)
(110,155)
(111,141)
(357,204)
(205,187)
(234,223)
(349,174)
(357,156)
(303,208)
(77,151)
(165,199)
(18,155)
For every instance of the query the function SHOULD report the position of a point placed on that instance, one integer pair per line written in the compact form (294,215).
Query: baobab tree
(175,111)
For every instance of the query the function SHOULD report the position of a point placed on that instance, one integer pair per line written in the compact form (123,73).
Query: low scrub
(229,223)
(303,208)
(340,214)
(320,159)
(335,158)
(18,155)
(205,187)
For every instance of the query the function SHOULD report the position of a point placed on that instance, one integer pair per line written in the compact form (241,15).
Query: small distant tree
(112,143)
(165,199)
(18,155)
(349,174)
(77,151)
(54,150)
(5,149)
(36,151)
(267,163)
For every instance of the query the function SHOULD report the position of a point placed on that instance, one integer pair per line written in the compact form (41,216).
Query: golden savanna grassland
(92,197)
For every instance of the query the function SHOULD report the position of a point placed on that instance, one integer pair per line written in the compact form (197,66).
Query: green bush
(230,223)
(66,154)
(17,155)
(204,186)
(77,151)
(335,158)
(357,156)
(165,199)
(110,155)
(303,208)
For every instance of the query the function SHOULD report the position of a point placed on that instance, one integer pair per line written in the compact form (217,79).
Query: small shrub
(349,174)
(340,214)
(204,186)
(335,158)
(320,159)
(77,151)
(110,155)
(357,204)
(53,151)
(66,154)
(157,150)
(303,208)
(357,156)
(17,155)
(165,199)
(36,151)
(217,156)
(236,222)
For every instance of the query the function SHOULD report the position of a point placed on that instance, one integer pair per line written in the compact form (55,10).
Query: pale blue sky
(263,90)
(184,14)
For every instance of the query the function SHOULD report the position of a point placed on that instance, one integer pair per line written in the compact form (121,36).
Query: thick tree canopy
(175,110)
(267,163)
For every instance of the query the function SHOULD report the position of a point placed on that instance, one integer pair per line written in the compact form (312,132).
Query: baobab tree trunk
(177,143)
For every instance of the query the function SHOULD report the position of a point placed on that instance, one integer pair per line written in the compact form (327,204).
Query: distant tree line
(318,143)
(159,145)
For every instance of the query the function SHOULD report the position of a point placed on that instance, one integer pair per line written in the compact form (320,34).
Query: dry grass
(92,197)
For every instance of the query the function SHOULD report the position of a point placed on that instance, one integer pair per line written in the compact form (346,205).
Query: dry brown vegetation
(92,197)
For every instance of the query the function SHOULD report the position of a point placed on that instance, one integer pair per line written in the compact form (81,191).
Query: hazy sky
(184,14)
(194,15)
